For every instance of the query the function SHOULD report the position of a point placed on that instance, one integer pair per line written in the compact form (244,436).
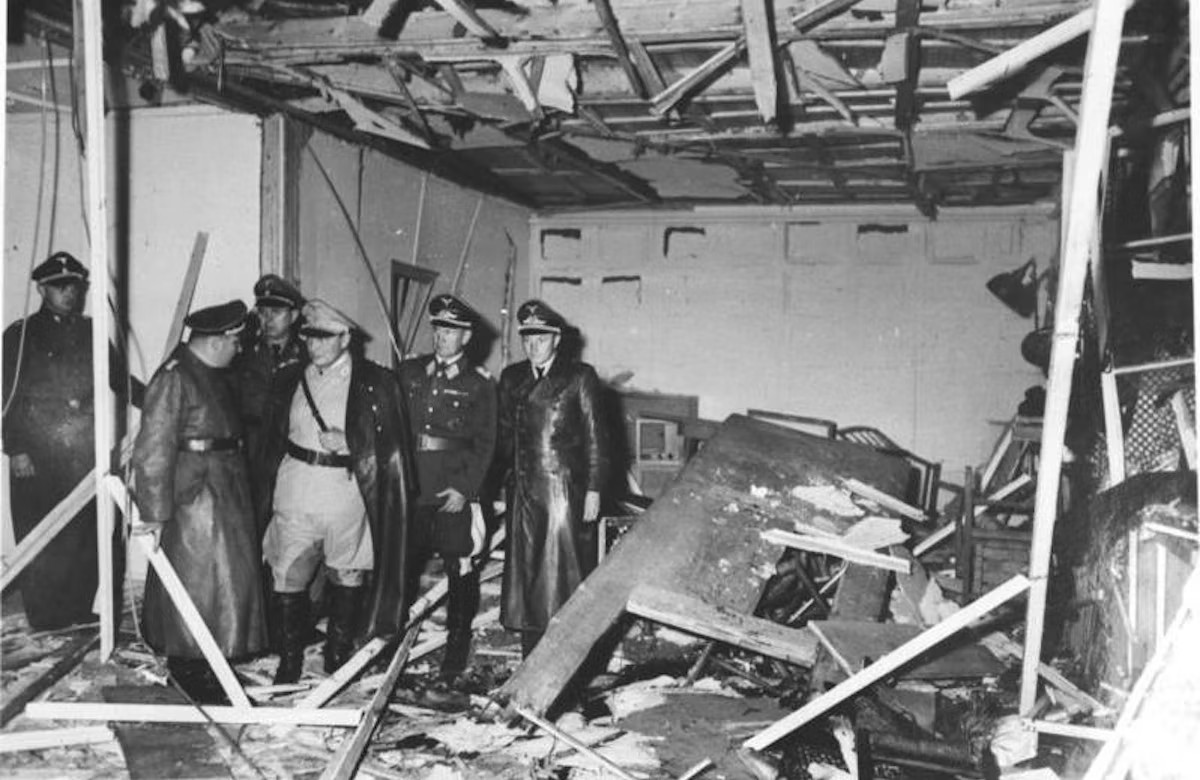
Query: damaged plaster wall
(863,316)
(383,198)
(172,172)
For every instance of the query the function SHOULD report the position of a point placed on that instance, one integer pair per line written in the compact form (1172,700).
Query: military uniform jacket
(458,405)
(376,427)
(203,501)
(255,368)
(554,446)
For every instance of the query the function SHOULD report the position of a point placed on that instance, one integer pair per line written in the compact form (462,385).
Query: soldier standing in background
(192,488)
(452,407)
(49,437)
(275,345)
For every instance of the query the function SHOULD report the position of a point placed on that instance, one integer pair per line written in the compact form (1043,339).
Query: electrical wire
(33,246)
(362,251)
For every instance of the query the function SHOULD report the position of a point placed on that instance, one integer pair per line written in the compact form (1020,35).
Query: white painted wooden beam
(760,44)
(14,741)
(186,713)
(1091,145)
(889,663)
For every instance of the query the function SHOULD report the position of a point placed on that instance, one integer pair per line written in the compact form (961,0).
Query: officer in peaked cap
(193,490)
(453,420)
(60,268)
(554,448)
(536,317)
(48,436)
(227,318)
(273,291)
(271,346)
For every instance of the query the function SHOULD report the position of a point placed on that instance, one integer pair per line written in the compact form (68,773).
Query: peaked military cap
(273,290)
(445,309)
(216,320)
(60,267)
(536,317)
(322,320)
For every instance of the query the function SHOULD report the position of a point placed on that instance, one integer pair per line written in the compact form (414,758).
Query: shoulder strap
(312,405)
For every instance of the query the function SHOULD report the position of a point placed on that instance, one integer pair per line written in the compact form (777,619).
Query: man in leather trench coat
(192,488)
(554,444)
(337,430)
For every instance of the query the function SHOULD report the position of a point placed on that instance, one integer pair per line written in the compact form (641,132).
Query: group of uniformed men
(291,459)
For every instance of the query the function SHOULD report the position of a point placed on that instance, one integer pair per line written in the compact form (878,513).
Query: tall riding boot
(291,614)
(463,603)
(343,620)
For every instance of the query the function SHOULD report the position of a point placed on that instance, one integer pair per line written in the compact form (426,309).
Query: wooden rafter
(613,29)
(670,97)
(760,46)
(905,44)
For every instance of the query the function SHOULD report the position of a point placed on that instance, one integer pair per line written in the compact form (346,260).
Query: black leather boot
(462,604)
(340,629)
(197,679)
(291,614)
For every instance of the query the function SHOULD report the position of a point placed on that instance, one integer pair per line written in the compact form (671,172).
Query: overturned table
(698,555)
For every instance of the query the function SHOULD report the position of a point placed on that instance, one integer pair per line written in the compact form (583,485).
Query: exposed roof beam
(613,29)
(760,45)
(672,95)
(574,28)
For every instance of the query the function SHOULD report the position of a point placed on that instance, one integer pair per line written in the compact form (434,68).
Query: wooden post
(1090,144)
(966,544)
(101,281)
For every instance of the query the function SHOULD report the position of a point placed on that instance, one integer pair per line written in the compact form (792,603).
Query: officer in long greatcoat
(452,408)
(49,439)
(337,430)
(192,488)
(554,445)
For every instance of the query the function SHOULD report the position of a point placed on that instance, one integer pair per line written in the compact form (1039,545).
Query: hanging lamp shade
(1017,289)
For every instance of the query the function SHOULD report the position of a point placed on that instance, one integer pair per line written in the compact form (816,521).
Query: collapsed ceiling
(662,103)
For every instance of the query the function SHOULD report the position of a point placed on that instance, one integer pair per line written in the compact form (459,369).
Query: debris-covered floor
(760,584)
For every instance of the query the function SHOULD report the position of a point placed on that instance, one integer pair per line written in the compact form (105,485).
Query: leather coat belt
(427,443)
(228,444)
(314,458)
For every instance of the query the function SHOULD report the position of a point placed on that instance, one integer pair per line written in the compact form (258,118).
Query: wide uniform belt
(314,458)
(427,443)
(228,444)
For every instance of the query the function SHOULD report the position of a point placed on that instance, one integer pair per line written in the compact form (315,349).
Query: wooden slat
(889,663)
(857,641)
(344,764)
(180,713)
(884,500)
(669,98)
(831,546)
(760,45)
(179,597)
(1015,59)
(51,738)
(690,614)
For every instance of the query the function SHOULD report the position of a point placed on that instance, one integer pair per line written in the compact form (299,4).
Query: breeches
(296,543)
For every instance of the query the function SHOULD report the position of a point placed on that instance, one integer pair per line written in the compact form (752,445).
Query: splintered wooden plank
(889,663)
(698,538)
(157,750)
(859,643)
(690,614)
